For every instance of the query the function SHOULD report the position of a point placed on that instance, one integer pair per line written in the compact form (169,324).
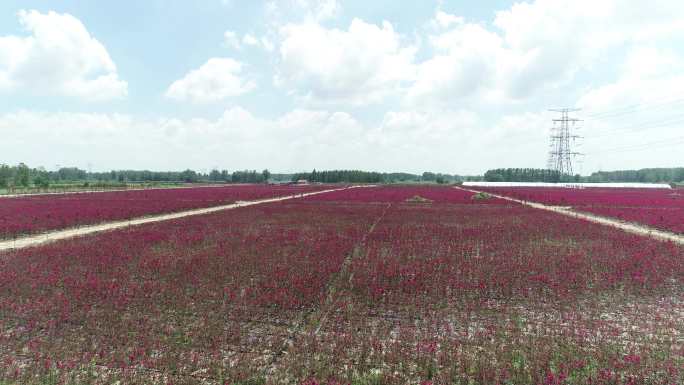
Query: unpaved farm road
(35,240)
(567,211)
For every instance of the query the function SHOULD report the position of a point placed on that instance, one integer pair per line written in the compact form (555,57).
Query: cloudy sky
(447,86)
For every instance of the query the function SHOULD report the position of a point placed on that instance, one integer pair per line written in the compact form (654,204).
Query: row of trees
(337,176)
(646,175)
(528,175)
(23,176)
(357,176)
(248,176)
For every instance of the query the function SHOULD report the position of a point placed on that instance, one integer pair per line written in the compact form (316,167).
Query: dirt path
(567,211)
(35,240)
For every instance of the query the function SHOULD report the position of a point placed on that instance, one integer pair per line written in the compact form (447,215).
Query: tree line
(24,176)
(358,176)
(645,175)
(338,176)
(528,175)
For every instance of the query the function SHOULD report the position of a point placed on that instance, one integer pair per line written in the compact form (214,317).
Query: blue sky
(449,86)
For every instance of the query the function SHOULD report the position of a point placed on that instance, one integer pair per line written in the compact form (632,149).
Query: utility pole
(561,153)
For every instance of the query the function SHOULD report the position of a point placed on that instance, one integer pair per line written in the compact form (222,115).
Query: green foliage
(440,178)
(525,175)
(481,196)
(5,175)
(252,381)
(645,175)
(338,176)
(22,175)
(247,176)
(370,378)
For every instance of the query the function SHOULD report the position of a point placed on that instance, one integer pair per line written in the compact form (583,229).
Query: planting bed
(348,287)
(26,215)
(659,208)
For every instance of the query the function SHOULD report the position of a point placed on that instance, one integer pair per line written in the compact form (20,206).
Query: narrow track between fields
(35,240)
(629,227)
(315,317)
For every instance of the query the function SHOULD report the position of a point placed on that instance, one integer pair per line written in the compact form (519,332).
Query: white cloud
(319,10)
(249,39)
(279,12)
(236,140)
(643,105)
(445,20)
(455,141)
(453,95)
(231,39)
(362,64)
(58,57)
(535,48)
(267,44)
(215,80)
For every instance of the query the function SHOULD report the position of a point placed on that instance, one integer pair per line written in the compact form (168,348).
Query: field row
(660,208)
(349,287)
(34,214)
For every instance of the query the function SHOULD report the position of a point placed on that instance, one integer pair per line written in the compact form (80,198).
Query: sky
(456,87)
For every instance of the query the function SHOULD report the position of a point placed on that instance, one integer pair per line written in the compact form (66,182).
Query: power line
(631,129)
(645,146)
(634,108)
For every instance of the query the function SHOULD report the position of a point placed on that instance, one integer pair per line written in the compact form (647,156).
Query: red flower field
(659,208)
(26,215)
(360,286)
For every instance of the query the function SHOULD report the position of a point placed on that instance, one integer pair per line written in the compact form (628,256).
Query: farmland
(393,285)
(28,215)
(659,208)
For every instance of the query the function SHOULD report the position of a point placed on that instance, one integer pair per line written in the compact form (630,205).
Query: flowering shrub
(47,212)
(329,291)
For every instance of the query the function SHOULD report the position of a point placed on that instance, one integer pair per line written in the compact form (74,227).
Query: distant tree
(523,175)
(23,175)
(266,175)
(188,176)
(5,175)
(215,176)
(41,178)
(429,176)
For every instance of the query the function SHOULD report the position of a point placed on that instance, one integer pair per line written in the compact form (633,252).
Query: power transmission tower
(563,140)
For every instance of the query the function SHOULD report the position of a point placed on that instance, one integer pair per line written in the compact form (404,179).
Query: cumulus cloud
(250,39)
(235,140)
(231,39)
(533,47)
(361,64)
(445,20)
(215,80)
(321,9)
(59,56)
